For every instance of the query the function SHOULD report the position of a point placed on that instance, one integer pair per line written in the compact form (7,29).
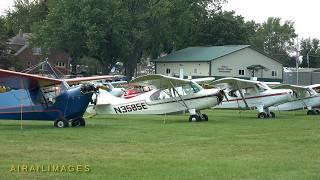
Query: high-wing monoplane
(31,97)
(168,95)
(248,94)
(304,97)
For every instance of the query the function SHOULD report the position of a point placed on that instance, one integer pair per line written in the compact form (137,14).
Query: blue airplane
(31,97)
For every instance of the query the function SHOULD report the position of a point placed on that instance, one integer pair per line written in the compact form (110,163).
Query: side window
(274,73)
(233,93)
(168,71)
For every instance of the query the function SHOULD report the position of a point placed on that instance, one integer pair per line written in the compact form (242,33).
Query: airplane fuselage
(146,103)
(31,105)
(263,99)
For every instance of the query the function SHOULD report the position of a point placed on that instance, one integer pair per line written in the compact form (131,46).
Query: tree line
(125,31)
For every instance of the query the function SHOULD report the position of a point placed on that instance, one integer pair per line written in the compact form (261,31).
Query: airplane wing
(84,79)
(18,80)
(158,81)
(233,83)
(300,91)
(204,81)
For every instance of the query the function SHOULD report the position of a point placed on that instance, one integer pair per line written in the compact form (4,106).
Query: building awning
(256,67)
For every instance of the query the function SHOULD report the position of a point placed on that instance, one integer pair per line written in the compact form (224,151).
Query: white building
(220,61)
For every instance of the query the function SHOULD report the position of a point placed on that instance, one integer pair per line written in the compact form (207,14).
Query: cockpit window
(261,87)
(196,87)
(50,93)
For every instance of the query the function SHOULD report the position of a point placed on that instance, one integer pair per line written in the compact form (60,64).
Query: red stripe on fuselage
(255,97)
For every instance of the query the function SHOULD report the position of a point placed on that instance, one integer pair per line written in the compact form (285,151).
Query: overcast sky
(303,13)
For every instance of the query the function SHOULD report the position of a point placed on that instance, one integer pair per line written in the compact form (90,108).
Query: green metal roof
(192,54)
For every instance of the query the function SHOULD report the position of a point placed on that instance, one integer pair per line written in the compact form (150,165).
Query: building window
(241,72)
(168,71)
(28,64)
(60,64)
(36,51)
(274,73)
(195,71)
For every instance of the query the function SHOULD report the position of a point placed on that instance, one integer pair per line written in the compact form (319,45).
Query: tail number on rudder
(130,108)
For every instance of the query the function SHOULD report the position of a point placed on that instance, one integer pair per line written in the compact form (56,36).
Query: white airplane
(248,94)
(305,97)
(168,95)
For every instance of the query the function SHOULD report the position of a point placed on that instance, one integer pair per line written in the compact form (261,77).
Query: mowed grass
(231,145)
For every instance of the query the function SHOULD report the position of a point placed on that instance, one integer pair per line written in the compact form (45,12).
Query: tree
(275,38)
(114,30)
(310,50)
(224,28)
(25,13)
(5,56)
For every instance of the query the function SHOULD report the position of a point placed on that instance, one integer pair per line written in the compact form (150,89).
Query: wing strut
(184,103)
(241,94)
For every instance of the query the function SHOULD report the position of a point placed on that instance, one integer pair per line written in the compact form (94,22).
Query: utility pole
(308,60)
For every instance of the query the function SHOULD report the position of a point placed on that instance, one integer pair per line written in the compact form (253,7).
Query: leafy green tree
(24,14)
(275,38)
(5,56)
(224,28)
(310,50)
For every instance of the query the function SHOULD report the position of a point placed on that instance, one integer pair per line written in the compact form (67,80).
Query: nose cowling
(87,88)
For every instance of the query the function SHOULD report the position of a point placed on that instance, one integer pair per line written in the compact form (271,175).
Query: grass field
(229,146)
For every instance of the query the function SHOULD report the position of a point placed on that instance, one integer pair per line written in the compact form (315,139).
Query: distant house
(27,56)
(240,61)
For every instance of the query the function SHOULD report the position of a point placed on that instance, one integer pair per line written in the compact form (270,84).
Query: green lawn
(229,146)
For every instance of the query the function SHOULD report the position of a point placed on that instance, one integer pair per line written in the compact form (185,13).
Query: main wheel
(205,117)
(311,112)
(194,118)
(78,122)
(317,111)
(61,123)
(262,115)
(272,114)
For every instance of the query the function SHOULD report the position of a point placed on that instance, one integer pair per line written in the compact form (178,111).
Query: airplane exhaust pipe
(88,88)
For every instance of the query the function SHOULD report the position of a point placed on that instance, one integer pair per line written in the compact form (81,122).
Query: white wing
(158,81)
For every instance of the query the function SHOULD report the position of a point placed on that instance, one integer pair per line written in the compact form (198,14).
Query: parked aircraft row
(31,97)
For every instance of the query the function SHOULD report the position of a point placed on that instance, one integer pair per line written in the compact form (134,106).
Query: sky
(303,13)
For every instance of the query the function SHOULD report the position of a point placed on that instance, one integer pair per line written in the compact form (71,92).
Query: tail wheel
(61,123)
(205,117)
(262,115)
(194,118)
(272,115)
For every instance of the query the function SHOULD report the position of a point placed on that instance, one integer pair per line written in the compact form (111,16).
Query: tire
(272,115)
(194,118)
(78,122)
(317,111)
(262,115)
(61,123)
(311,112)
(82,122)
(205,117)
